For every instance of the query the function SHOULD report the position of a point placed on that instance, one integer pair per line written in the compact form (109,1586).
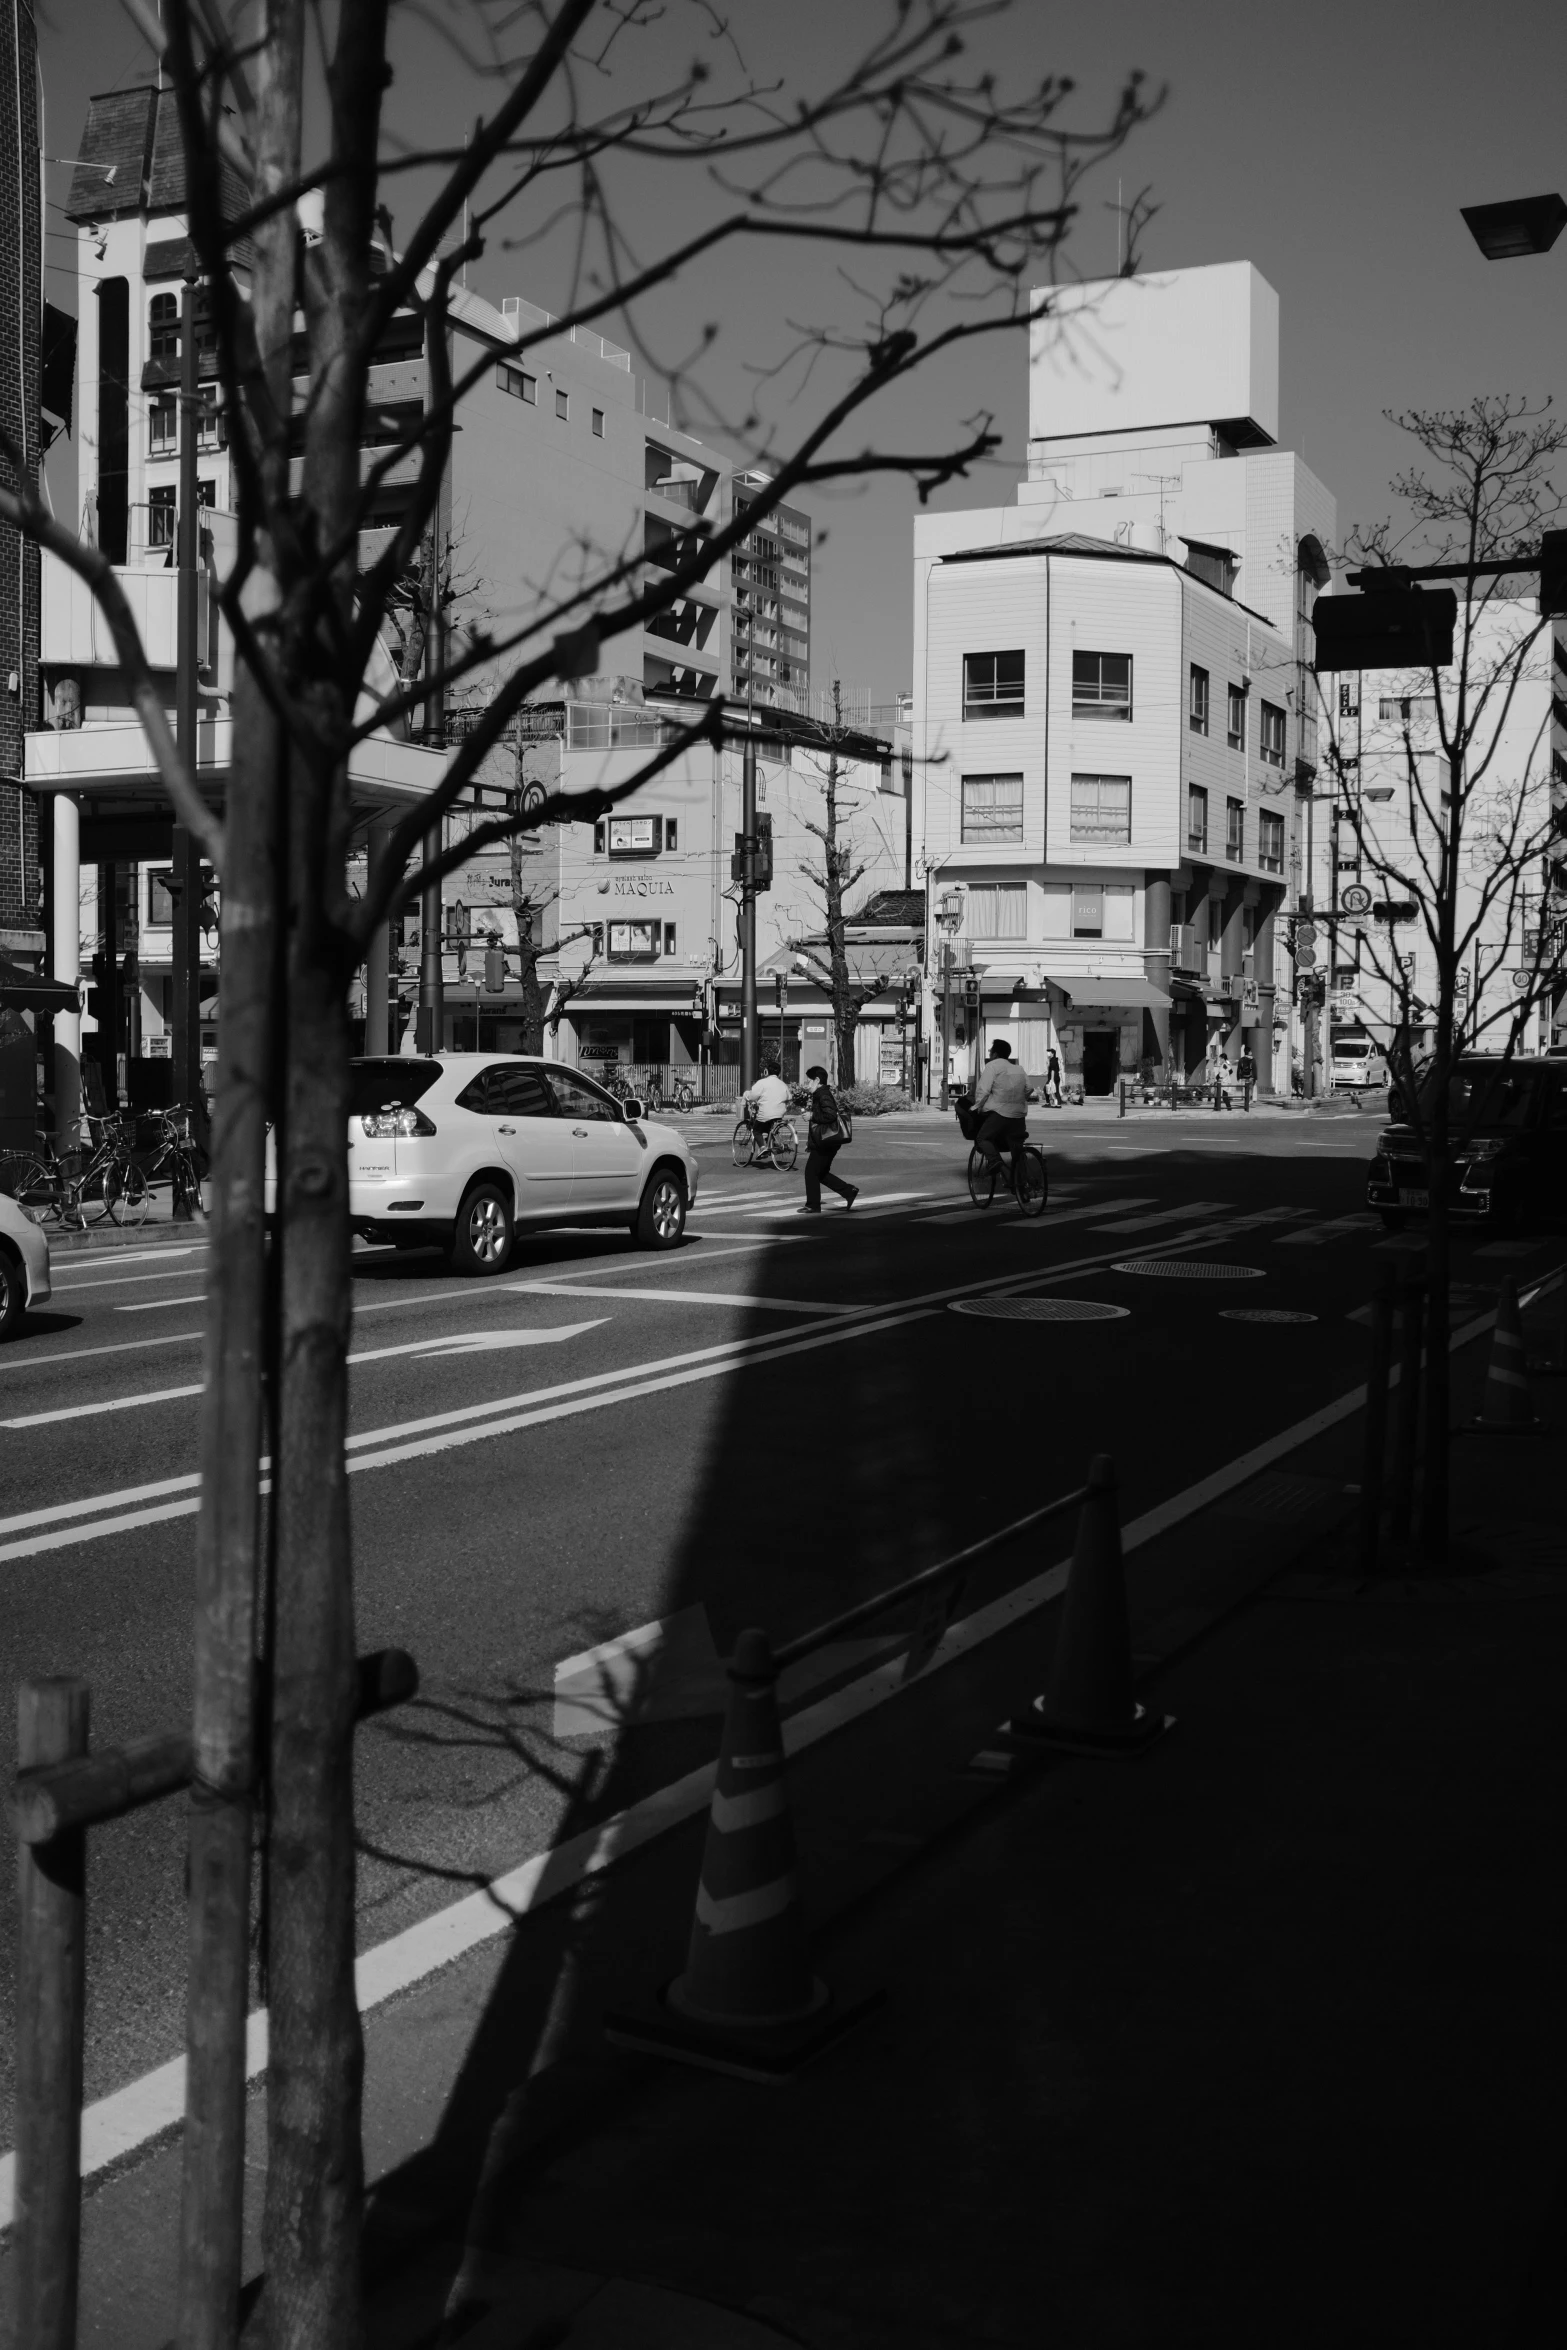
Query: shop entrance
(1101,1059)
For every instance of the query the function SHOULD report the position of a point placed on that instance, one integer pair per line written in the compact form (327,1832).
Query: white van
(1357,1063)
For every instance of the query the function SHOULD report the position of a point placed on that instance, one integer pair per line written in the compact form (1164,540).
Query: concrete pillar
(1156,958)
(1262,965)
(1232,957)
(65,947)
(378,960)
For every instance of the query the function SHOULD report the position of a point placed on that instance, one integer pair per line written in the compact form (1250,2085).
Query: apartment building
(1114,728)
(1373,945)
(771,575)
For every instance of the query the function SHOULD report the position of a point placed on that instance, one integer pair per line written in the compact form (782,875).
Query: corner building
(1114,717)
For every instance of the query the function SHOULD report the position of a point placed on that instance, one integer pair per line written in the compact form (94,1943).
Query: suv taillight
(385,1125)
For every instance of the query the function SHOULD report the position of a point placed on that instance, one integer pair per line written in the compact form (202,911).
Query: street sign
(1523,979)
(1406,962)
(1387,628)
(1356,899)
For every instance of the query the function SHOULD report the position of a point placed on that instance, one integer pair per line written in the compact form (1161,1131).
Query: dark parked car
(1508,1122)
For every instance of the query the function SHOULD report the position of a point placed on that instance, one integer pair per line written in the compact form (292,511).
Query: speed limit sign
(1522,979)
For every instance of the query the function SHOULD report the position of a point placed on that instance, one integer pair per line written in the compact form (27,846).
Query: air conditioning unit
(1183,946)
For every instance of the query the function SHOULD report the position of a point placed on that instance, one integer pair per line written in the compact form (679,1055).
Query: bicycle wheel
(786,1145)
(191,1175)
(92,1199)
(1033,1183)
(740,1145)
(685,1099)
(981,1179)
(38,1193)
(130,1194)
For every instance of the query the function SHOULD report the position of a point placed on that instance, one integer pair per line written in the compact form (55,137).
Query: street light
(1528,224)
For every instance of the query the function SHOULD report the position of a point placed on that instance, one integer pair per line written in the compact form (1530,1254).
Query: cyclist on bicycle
(1001,1098)
(766,1101)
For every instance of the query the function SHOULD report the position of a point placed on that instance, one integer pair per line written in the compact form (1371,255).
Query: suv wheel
(481,1238)
(661,1219)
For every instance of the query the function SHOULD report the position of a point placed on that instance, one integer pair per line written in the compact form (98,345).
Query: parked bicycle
(84,1186)
(178,1160)
(753,1145)
(680,1096)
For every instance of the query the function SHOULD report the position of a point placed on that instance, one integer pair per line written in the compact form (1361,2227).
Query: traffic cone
(1089,1707)
(1506,1408)
(748,2001)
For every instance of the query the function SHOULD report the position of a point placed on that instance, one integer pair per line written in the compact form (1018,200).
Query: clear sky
(1330,145)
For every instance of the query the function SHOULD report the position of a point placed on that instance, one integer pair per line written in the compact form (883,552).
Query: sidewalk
(1258,2040)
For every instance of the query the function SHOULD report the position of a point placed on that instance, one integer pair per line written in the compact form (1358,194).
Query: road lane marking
(131,2118)
(80,1354)
(1196,1207)
(142,1256)
(698,1297)
(1047,1223)
(91,1411)
(163,1305)
(132,1280)
(55,1511)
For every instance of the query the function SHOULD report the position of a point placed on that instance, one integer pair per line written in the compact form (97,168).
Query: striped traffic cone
(1506,1409)
(1088,1707)
(748,2001)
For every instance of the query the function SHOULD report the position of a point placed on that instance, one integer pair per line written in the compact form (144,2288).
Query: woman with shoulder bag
(826,1136)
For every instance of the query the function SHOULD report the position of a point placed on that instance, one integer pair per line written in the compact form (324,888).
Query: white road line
(163,1305)
(131,1280)
(690,1297)
(80,1354)
(1197,1207)
(58,1510)
(92,1411)
(1049,1222)
(137,1256)
(146,2109)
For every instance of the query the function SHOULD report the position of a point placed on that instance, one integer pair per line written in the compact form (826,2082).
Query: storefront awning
(1131,989)
(27,991)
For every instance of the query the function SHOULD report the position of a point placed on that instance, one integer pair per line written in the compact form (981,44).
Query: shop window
(1197,701)
(1101,685)
(992,811)
(1102,807)
(633,836)
(1197,819)
(634,942)
(1120,915)
(1270,841)
(993,685)
(1272,735)
(1235,729)
(1088,910)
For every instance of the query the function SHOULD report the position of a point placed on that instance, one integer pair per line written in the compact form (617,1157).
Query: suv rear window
(376,1085)
(1489,1101)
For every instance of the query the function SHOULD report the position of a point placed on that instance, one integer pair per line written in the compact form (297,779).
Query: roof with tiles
(131,158)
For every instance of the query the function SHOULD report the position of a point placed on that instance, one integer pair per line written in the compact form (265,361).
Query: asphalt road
(781,1416)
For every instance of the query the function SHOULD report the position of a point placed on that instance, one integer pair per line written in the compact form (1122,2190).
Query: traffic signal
(1553,575)
(764,851)
(1386,628)
(494,970)
(971,993)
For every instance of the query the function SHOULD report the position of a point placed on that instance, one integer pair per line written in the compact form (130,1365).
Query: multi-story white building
(1113,729)
(771,572)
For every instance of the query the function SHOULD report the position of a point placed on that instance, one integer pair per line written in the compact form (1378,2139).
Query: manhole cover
(1187,1269)
(1260,1314)
(1039,1309)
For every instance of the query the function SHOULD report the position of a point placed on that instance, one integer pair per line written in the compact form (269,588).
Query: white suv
(463,1148)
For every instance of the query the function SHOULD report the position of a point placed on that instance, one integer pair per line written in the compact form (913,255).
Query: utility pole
(186,876)
(750,1056)
(430,1025)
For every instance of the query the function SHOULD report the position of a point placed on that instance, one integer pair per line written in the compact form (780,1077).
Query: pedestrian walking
(826,1135)
(1052,1085)
(1246,1071)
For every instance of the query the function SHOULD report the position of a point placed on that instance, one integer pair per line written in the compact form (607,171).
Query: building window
(1000,911)
(163,330)
(1197,701)
(1197,818)
(631,836)
(631,942)
(993,685)
(1418,708)
(519,384)
(1272,743)
(1235,830)
(669,938)
(160,896)
(562,403)
(1101,685)
(1235,728)
(1088,910)
(209,420)
(163,428)
(992,810)
(1270,841)
(1101,807)
(160,517)
(671,832)
(598,424)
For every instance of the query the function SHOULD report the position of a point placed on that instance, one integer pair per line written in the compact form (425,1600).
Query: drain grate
(1039,1309)
(1261,1314)
(1187,1269)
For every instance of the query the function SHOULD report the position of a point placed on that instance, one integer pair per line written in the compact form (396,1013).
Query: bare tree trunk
(314,2173)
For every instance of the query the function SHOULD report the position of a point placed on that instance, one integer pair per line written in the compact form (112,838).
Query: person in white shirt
(766,1101)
